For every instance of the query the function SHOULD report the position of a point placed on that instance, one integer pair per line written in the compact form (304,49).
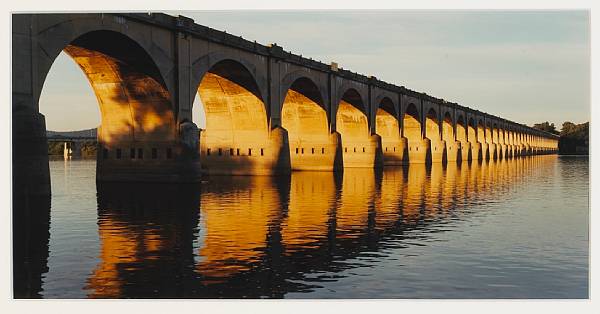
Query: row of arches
(138,113)
(313,145)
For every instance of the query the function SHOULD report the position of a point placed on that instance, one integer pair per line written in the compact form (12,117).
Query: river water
(507,229)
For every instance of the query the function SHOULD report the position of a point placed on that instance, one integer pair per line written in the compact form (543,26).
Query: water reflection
(252,237)
(146,234)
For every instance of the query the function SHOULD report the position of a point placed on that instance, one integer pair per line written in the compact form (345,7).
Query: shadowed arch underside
(452,147)
(359,148)
(432,129)
(237,139)
(418,147)
(311,145)
(393,146)
(138,135)
(461,139)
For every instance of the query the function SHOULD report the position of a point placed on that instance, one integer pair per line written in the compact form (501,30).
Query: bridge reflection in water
(237,237)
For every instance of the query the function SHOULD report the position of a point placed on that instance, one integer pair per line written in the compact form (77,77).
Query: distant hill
(80,133)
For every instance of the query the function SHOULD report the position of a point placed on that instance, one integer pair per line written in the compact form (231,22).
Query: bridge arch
(304,116)
(432,132)
(55,33)
(461,129)
(449,137)
(498,153)
(480,130)
(386,124)
(138,128)
(353,126)
(489,148)
(461,136)
(387,127)
(474,137)
(317,91)
(135,103)
(236,119)
(253,70)
(448,127)
(412,129)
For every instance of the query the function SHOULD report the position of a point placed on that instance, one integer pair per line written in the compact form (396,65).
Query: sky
(525,66)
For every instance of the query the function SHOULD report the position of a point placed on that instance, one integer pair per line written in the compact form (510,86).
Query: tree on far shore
(546,127)
(574,138)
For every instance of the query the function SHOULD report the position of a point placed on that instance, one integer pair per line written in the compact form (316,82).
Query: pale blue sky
(525,66)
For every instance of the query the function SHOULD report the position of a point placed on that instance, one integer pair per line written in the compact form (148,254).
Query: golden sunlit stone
(237,139)
(433,134)
(393,145)
(359,148)
(311,145)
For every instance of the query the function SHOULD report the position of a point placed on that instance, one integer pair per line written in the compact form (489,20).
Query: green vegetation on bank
(574,138)
(88,149)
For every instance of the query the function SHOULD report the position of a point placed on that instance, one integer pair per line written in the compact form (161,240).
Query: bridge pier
(395,153)
(493,151)
(484,155)
(453,151)
(420,153)
(31,172)
(317,156)
(271,158)
(465,151)
(476,151)
(438,148)
(363,154)
(522,150)
(502,151)
(526,150)
(72,150)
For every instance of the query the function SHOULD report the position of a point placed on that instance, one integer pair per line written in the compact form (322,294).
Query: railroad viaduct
(268,111)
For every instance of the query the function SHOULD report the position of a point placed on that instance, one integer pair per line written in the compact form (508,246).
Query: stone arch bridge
(268,111)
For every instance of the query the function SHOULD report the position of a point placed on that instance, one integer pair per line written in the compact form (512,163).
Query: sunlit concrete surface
(359,148)
(452,146)
(393,146)
(473,140)
(418,146)
(437,145)
(237,139)
(461,139)
(311,145)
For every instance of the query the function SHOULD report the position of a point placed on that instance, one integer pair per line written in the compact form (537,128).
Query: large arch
(449,137)
(387,127)
(432,132)
(130,80)
(134,101)
(305,119)
(236,139)
(137,136)
(461,137)
(412,131)
(472,135)
(359,148)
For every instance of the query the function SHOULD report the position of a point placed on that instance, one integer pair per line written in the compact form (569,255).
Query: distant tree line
(574,138)
(88,149)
